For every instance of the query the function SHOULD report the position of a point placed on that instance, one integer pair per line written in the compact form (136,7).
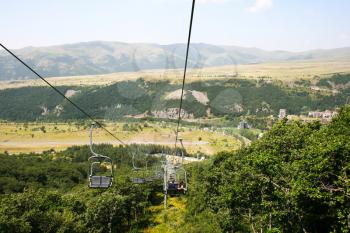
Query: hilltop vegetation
(107,57)
(231,98)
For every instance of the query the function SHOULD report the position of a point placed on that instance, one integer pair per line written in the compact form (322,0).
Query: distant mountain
(108,57)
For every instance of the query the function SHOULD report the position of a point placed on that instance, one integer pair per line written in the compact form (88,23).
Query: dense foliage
(49,193)
(32,171)
(120,209)
(294,179)
(337,79)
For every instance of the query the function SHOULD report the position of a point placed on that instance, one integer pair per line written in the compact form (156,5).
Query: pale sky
(293,25)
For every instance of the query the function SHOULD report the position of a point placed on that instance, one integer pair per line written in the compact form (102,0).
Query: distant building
(282,114)
(243,125)
(316,114)
(328,114)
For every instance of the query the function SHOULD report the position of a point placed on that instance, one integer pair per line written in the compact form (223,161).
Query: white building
(328,114)
(282,114)
(243,125)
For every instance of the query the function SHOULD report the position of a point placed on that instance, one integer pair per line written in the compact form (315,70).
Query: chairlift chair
(137,179)
(144,174)
(105,180)
(176,182)
(175,179)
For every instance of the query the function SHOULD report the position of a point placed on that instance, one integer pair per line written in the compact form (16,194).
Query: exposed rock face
(45,111)
(172,113)
(70,93)
(58,110)
(201,97)
(238,108)
(175,95)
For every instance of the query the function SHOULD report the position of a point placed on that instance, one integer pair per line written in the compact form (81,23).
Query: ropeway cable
(63,95)
(184,74)
(88,115)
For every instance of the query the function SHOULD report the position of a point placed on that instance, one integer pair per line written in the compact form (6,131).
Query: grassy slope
(166,220)
(284,71)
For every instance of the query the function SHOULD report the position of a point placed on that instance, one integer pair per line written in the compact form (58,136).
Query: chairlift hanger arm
(92,151)
(133,161)
(99,157)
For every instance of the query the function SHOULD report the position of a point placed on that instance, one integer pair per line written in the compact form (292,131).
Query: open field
(283,71)
(38,137)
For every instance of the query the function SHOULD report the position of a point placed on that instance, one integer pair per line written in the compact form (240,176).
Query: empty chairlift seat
(100,181)
(101,169)
(138,180)
(99,178)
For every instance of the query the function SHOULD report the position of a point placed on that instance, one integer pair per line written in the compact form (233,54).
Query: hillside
(107,57)
(281,71)
(141,98)
(294,179)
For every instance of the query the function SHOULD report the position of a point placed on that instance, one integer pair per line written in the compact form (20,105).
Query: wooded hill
(229,97)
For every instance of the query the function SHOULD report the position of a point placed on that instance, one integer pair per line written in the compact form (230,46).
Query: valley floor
(38,137)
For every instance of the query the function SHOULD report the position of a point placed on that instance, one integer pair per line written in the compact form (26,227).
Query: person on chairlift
(181,185)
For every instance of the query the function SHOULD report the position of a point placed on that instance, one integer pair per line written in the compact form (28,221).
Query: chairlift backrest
(175,179)
(99,181)
(144,173)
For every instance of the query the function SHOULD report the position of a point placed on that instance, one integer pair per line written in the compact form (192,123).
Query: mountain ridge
(101,57)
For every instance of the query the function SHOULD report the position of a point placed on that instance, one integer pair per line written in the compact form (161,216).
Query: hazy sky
(269,24)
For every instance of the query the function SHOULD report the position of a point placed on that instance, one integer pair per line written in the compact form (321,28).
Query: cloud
(260,5)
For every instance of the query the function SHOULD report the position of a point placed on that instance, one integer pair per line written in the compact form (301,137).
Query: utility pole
(165,199)
(165,178)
